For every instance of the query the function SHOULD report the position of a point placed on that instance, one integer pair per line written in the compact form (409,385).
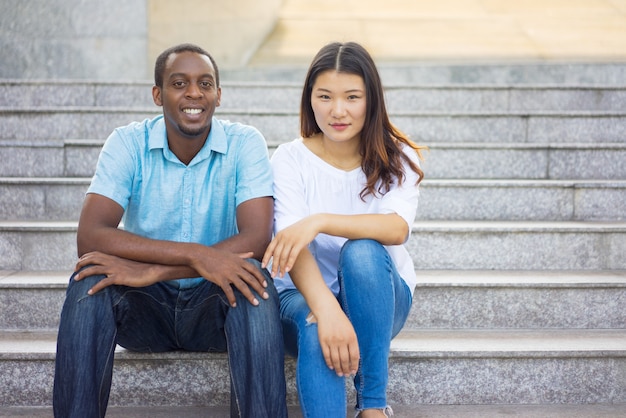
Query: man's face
(189,95)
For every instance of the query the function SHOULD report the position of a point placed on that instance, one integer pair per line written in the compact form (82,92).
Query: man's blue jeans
(377,302)
(160,318)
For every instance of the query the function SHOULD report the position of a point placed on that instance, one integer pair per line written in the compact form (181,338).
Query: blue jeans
(377,302)
(160,318)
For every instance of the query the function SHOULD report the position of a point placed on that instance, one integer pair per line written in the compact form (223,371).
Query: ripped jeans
(377,302)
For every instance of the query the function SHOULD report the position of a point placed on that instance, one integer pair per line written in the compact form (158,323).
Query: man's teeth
(192,111)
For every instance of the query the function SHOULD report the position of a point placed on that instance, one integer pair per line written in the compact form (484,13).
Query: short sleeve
(403,199)
(289,189)
(115,169)
(254,173)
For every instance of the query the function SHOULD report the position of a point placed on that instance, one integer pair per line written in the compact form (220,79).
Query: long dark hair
(380,148)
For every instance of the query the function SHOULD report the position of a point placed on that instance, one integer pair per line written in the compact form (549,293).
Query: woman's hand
(339,343)
(287,244)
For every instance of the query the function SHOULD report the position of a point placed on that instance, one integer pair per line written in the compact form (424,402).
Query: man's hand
(230,270)
(226,271)
(118,271)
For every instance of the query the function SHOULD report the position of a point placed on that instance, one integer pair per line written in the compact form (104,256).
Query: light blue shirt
(167,200)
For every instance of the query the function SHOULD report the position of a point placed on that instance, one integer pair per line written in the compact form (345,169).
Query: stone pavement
(451,30)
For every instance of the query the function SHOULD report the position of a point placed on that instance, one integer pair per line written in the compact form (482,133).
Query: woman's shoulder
(292,149)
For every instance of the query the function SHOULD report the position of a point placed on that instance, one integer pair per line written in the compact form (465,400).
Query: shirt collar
(216,141)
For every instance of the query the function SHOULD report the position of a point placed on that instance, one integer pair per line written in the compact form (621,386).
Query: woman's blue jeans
(377,302)
(160,318)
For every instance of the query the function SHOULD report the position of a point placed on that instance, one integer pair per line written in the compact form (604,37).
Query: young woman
(345,199)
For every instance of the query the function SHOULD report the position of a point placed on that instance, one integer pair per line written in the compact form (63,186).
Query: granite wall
(120,39)
(64,39)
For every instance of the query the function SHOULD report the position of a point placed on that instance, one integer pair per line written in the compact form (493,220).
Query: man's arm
(255,220)
(222,264)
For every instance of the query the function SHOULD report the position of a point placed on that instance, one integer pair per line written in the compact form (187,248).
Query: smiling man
(195,195)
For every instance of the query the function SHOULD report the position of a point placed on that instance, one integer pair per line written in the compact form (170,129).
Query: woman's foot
(376,413)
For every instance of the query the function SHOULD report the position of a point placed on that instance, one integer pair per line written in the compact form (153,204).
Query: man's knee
(271,288)
(80,287)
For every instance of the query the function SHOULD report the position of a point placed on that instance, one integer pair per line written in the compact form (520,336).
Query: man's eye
(178,84)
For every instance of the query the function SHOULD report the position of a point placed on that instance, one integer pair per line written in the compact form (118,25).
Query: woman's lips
(339,126)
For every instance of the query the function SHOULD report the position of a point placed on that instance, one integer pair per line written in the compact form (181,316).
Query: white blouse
(304,184)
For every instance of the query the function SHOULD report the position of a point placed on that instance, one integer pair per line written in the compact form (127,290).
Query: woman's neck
(342,155)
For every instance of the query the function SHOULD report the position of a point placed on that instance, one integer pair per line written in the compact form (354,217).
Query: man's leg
(256,356)
(85,348)
(140,319)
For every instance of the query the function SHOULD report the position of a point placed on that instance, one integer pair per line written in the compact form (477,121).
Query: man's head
(187,87)
(161,61)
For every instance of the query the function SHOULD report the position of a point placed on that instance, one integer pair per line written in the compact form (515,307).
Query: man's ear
(219,97)
(156,95)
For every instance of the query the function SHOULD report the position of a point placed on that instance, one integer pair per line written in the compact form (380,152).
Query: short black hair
(159,66)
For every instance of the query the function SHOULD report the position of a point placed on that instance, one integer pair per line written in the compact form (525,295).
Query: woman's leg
(377,301)
(321,392)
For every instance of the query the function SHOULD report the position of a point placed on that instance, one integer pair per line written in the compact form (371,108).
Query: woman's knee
(362,260)
(360,250)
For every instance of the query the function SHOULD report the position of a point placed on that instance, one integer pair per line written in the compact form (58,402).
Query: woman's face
(339,104)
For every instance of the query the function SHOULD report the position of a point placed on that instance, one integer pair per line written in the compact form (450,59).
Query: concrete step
(42,198)
(468,160)
(485,245)
(434,245)
(523,73)
(470,367)
(543,200)
(60,199)
(566,299)
(286,96)
(554,161)
(456,73)
(400,411)
(449,299)
(32,123)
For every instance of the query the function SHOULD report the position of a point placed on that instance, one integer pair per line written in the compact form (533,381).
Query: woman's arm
(388,229)
(335,332)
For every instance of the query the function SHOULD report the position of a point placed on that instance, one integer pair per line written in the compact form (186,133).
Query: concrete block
(490,200)
(567,99)
(601,162)
(473,161)
(518,246)
(74,39)
(428,128)
(577,129)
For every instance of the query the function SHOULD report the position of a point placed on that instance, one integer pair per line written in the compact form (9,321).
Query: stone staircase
(519,242)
